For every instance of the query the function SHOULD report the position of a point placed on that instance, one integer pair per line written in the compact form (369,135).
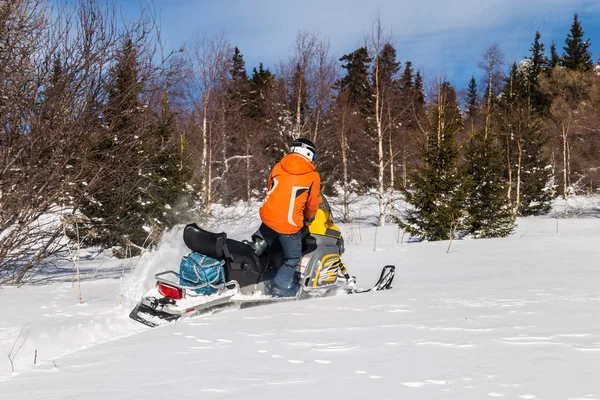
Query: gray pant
(291,245)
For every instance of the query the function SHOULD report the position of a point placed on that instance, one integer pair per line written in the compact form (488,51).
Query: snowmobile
(221,272)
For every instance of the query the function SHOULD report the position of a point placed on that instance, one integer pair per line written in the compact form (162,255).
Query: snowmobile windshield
(323,223)
(324,204)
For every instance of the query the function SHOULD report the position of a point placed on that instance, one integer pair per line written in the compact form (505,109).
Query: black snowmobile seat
(202,241)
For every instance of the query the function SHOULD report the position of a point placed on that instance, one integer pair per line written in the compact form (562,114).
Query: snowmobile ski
(384,282)
(150,315)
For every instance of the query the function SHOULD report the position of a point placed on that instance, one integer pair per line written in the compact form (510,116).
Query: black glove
(309,220)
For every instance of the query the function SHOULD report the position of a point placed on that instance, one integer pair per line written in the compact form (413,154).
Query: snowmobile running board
(156,317)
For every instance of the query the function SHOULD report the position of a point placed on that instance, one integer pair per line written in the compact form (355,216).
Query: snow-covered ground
(517,318)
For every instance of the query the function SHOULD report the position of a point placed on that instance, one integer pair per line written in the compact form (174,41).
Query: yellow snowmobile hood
(323,223)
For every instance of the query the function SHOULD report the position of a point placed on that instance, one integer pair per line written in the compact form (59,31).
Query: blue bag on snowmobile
(196,269)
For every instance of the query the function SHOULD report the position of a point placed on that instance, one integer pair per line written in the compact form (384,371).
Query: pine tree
(538,60)
(123,102)
(166,124)
(265,114)
(261,84)
(538,101)
(417,103)
(555,59)
(238,123)
(53,125)
(437,191)
(356,82)
(515,86)
(238,68)
(412,96)
(524,138)
(388,66)
(419,90)
(111,203)
(536,190)
(359,92)
(576,54)
(473,111)
(489,212)
(406,80)
(488,209)
(472,100)
(409,93)
(123,202)
(171,187)
(239,85)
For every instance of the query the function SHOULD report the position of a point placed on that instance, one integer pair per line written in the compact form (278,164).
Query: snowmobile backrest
(242,256)
(243,265)
(201,241)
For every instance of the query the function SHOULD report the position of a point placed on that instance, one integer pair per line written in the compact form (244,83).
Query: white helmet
(305,147)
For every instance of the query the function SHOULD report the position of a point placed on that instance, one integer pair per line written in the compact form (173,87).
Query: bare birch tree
(324,77)
(492,61)
(344,113)
(305,50)
(208,57)
(376,43)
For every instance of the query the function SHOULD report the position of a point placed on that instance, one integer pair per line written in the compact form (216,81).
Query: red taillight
(169,291)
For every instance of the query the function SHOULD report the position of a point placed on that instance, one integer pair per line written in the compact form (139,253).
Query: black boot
(258,244)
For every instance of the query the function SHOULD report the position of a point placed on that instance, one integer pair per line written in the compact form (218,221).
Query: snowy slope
(517,318)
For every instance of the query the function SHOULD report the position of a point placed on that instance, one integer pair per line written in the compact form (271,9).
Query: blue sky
(444,37)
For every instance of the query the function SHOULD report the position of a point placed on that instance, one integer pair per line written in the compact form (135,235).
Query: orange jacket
(293,194)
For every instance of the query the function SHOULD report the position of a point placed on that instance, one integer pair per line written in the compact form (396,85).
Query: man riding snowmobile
(292,197)
(221,272)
